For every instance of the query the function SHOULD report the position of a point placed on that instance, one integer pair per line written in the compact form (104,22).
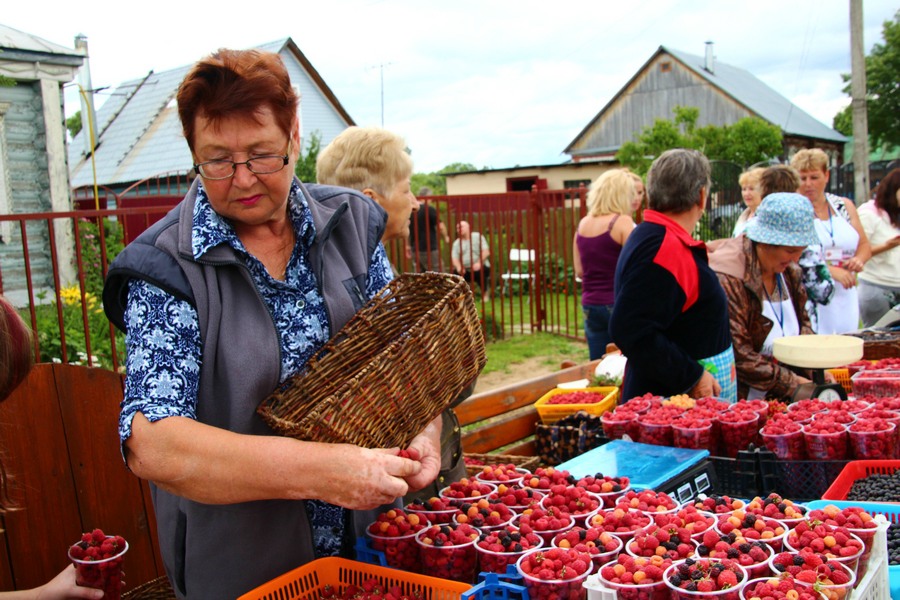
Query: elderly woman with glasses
(222,300)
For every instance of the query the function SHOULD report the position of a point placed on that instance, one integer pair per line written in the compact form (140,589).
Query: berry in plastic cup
(786,446)
(104,574)
(735,435)
(754,589)
(655,590)
(571,588)
(697,438)
(825,445)
(617,424)
(729,593)
(400,552)
(659,434)
(546,534)
(836,592)
(457,562)
(872,444)
(621,522)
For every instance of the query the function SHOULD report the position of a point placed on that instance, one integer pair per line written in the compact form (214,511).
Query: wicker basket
(523,462)
(393,367)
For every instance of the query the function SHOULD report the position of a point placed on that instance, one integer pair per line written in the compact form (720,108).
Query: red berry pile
(704,576)
(502,547)
(600,545)
(718,504)
(98,562)
(751,526)
(647,501)
(637,578)
(544,477)
(369,589)
(544,522)
(821,538)
(393,533)
(738,428)
(554,573)
(436,510)
(784,438)
(778,588)
(448,551)
(687,517)
(623,522)
(669,542)
(872,438)
(467,488)
(508,473)
(516,497)
(655,425)
(484,513)
(579,397)
(574,500)
(753,556)
(774,506)
(814,570)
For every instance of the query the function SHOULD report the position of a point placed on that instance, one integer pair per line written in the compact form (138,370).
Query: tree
(306,164)
(882,90)
(73,124)
(747,141)
(436,180)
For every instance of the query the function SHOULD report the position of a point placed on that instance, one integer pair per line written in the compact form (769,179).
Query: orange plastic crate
(551,413)
(857,469)
(842,376)
(307,582)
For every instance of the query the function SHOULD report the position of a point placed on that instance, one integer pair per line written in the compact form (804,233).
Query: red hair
(236,83)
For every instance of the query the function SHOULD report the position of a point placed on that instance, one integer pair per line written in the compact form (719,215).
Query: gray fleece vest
(222,551)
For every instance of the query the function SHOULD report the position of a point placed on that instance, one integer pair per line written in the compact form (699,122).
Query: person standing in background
(845,247)
(879,282)
(596,248)
(424,227)
(749,181)
(470,256)
(671,315)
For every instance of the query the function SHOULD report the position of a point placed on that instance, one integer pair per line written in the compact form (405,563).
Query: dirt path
(527,369)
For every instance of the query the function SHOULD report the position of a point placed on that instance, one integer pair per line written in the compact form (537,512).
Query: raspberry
(727,579)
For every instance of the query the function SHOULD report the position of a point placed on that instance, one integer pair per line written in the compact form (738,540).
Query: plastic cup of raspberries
(555,573)
(98,562)
(485,514)
(833,579)
(835,543)
(858,522)
(825,440)
(394,534)
(871,438)
(448,551)
(655,426)
(694,433)
(609,489)
(618,423)
(779,588)
(436,511)
(738,428)
(620,522)
(545,523)
(467,489)
(752,555)
(505,473)
(648,501)
(636,578)
(697,522)
(544,477)
(753,527)
(784,438)
(777,507)
(516,497)
(718,504)
(696,579)
(600,545)
(576,501)
(760,406)
(669,541)
(502,547)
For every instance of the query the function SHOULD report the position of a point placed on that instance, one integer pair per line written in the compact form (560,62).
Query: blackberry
(733,552)
(582,534)
(702,550)
(684,570)
(744,548)
(515,536)
(698,574)
(691,587)
(670,545)
(675,580)
(750,519)
(517,547)
(799,560)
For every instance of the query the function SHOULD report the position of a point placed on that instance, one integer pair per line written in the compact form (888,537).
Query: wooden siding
(29,183)
(654,95)
(318,114)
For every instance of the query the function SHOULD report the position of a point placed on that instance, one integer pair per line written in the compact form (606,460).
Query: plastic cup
(591,503)
(602,550)
(609,498)
(656,590)
(754,569)
(851,562)
(873,444)
(786,446)
(546,534)
(835,592)
(482,525)
(659,434)
(571,588)
(697,438)
(750,589)
(776,540)
(735,435)
(624,527)
(825,445)
(476,490)
(496,562)
(510,481)
(617,424)
(732,593)
(435,517)
(105,574)
(457,562)
(400,552)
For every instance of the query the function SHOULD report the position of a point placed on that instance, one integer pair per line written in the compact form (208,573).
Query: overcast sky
(493,83)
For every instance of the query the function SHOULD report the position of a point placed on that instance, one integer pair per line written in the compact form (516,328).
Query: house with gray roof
(33,173)
(723,93)
(138,133)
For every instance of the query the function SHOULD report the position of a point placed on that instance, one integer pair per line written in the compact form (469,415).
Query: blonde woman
(844,244)
(749,181)
(598,242)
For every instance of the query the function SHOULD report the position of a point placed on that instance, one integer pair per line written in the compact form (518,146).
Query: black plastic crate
(737,477)
(800,480)
(568,437)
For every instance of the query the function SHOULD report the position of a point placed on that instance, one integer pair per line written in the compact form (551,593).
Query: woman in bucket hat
(759,273)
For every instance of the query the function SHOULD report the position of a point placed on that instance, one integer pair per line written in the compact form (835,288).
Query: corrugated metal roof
(746,89)
(14,39)
(139,131)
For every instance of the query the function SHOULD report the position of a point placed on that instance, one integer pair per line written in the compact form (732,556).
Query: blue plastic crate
(891,512)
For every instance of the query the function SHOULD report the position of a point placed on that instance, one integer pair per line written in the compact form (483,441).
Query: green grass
(551,349)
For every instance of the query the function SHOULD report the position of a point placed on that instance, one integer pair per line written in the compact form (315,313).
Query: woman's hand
(428,443)
(707,386)
(854,264)
(63,587)
(843,276)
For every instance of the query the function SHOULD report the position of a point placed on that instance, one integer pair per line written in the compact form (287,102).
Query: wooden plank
(505,431)
(110,497)
(496,402)
(33,437)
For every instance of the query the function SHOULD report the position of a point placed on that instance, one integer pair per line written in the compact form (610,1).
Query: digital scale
(680,472)
(818,352)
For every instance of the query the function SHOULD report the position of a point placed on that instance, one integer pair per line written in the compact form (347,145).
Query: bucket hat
(783,219)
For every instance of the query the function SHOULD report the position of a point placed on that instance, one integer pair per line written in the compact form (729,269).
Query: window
(576,183)
(665,67)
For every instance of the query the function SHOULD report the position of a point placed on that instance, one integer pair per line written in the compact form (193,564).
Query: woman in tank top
(598,242)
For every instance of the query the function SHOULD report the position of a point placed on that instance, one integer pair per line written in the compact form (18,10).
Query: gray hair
(675,180)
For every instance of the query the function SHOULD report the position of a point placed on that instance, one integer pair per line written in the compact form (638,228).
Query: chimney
(710,62)
(86,93)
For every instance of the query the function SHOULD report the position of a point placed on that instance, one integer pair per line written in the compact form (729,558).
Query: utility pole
(858,104)
(381,67)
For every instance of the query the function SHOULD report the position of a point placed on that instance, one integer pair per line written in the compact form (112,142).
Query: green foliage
(436,180)
(748,141)
(306,164)
(882,90)
(73,124)
(76,311)
(551,349)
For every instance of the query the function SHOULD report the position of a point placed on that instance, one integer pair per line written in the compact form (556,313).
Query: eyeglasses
(258,165)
